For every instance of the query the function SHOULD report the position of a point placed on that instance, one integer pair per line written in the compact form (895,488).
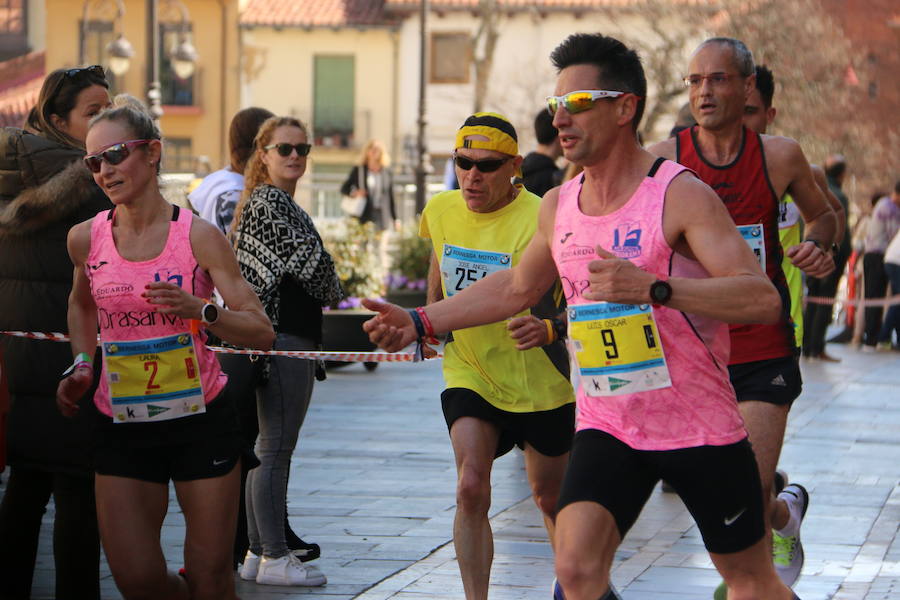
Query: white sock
(793,525)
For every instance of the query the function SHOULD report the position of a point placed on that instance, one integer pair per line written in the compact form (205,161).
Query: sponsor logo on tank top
(111,290)
(627,240)
(576,252)
(115,319)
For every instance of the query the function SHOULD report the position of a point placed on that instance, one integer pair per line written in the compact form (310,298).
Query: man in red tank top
(750,172)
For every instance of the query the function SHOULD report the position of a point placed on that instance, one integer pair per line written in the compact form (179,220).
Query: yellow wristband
(551,333)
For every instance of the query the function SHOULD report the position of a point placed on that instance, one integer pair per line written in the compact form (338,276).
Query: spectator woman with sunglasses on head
(282,256)
(44,191)
(143,273)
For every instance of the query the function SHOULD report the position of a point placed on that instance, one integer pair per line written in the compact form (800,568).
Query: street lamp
(120,50)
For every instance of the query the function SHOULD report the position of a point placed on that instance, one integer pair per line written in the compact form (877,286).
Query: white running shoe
(250,566)
(288,570)
(787,550)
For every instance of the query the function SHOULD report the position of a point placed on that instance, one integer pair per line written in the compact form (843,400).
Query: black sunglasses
(113,155)
(95,70)
(285,149)
(488,165)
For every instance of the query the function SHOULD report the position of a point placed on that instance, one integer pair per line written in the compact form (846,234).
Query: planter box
(407,298)
(342,331)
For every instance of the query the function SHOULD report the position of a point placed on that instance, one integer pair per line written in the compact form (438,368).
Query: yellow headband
(500,134)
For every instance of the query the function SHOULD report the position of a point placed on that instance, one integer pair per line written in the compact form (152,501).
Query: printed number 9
(609,340)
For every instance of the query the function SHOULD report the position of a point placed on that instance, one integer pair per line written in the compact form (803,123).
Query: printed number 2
(151,365)
(466,276)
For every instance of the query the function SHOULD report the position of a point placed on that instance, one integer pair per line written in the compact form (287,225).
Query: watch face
(660,291)
(210,313)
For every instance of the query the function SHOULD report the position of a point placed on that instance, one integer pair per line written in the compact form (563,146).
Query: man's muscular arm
(489,300)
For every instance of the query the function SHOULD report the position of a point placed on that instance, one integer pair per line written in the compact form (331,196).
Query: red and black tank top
(745,189)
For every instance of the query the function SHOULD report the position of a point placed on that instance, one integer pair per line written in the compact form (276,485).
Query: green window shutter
(334,96)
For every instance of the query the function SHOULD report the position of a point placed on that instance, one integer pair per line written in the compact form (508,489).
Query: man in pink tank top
(750,172)
(652,267)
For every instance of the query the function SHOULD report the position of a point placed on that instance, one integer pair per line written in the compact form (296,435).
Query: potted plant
(355,250)
(410,258)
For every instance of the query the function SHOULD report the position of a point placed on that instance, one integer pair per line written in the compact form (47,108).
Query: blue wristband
(417,321)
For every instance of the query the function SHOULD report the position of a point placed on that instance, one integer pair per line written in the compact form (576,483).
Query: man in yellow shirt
(496,396)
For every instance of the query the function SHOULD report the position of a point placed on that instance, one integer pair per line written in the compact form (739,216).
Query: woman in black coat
(373,180)
(45,189)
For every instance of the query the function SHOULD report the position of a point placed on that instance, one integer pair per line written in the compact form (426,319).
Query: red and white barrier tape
(883,302)
(332,355)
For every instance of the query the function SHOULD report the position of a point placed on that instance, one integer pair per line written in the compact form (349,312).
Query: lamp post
(184,55)
(421,168)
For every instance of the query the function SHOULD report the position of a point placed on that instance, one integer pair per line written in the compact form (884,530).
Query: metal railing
(322,194)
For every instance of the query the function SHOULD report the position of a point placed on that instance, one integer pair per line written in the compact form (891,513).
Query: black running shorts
(195,447)
(719,485)
(548,431)
(776,380)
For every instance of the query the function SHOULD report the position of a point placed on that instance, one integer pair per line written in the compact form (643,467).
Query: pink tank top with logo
(698,407)
(126,319)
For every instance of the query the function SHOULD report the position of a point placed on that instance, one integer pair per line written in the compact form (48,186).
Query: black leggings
(76,540)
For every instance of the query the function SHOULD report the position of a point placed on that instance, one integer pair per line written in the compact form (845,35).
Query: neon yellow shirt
(789,226)
(484,359)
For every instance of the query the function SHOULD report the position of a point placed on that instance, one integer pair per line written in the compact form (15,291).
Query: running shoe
(557,591)
(787,550)
(287,570)
(612,594)
(721,592)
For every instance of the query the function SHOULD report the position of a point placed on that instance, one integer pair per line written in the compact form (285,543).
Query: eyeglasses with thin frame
(285,149)
(113,154)
(579,100)
(715,79)
(487,165)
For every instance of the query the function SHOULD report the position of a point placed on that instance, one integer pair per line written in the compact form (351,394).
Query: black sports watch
(660,292)
(209,314)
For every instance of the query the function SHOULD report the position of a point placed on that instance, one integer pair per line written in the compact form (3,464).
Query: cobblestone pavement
(373,482)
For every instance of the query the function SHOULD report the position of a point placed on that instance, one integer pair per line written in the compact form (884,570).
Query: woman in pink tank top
(143,274)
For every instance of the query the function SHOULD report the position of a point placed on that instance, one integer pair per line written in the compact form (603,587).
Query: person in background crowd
(215,200)
(45,190)
(539,170)
(372,179)
(883,226)
(281,254)
(817,316)
(217,195)
(891,322)
(165,409)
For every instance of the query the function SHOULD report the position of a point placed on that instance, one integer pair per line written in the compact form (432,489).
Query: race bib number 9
(461,267)
(617,349)
(153,380)
(753,235)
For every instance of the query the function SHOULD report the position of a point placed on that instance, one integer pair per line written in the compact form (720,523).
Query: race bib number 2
(154,379)
(617,348)
(461,267)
